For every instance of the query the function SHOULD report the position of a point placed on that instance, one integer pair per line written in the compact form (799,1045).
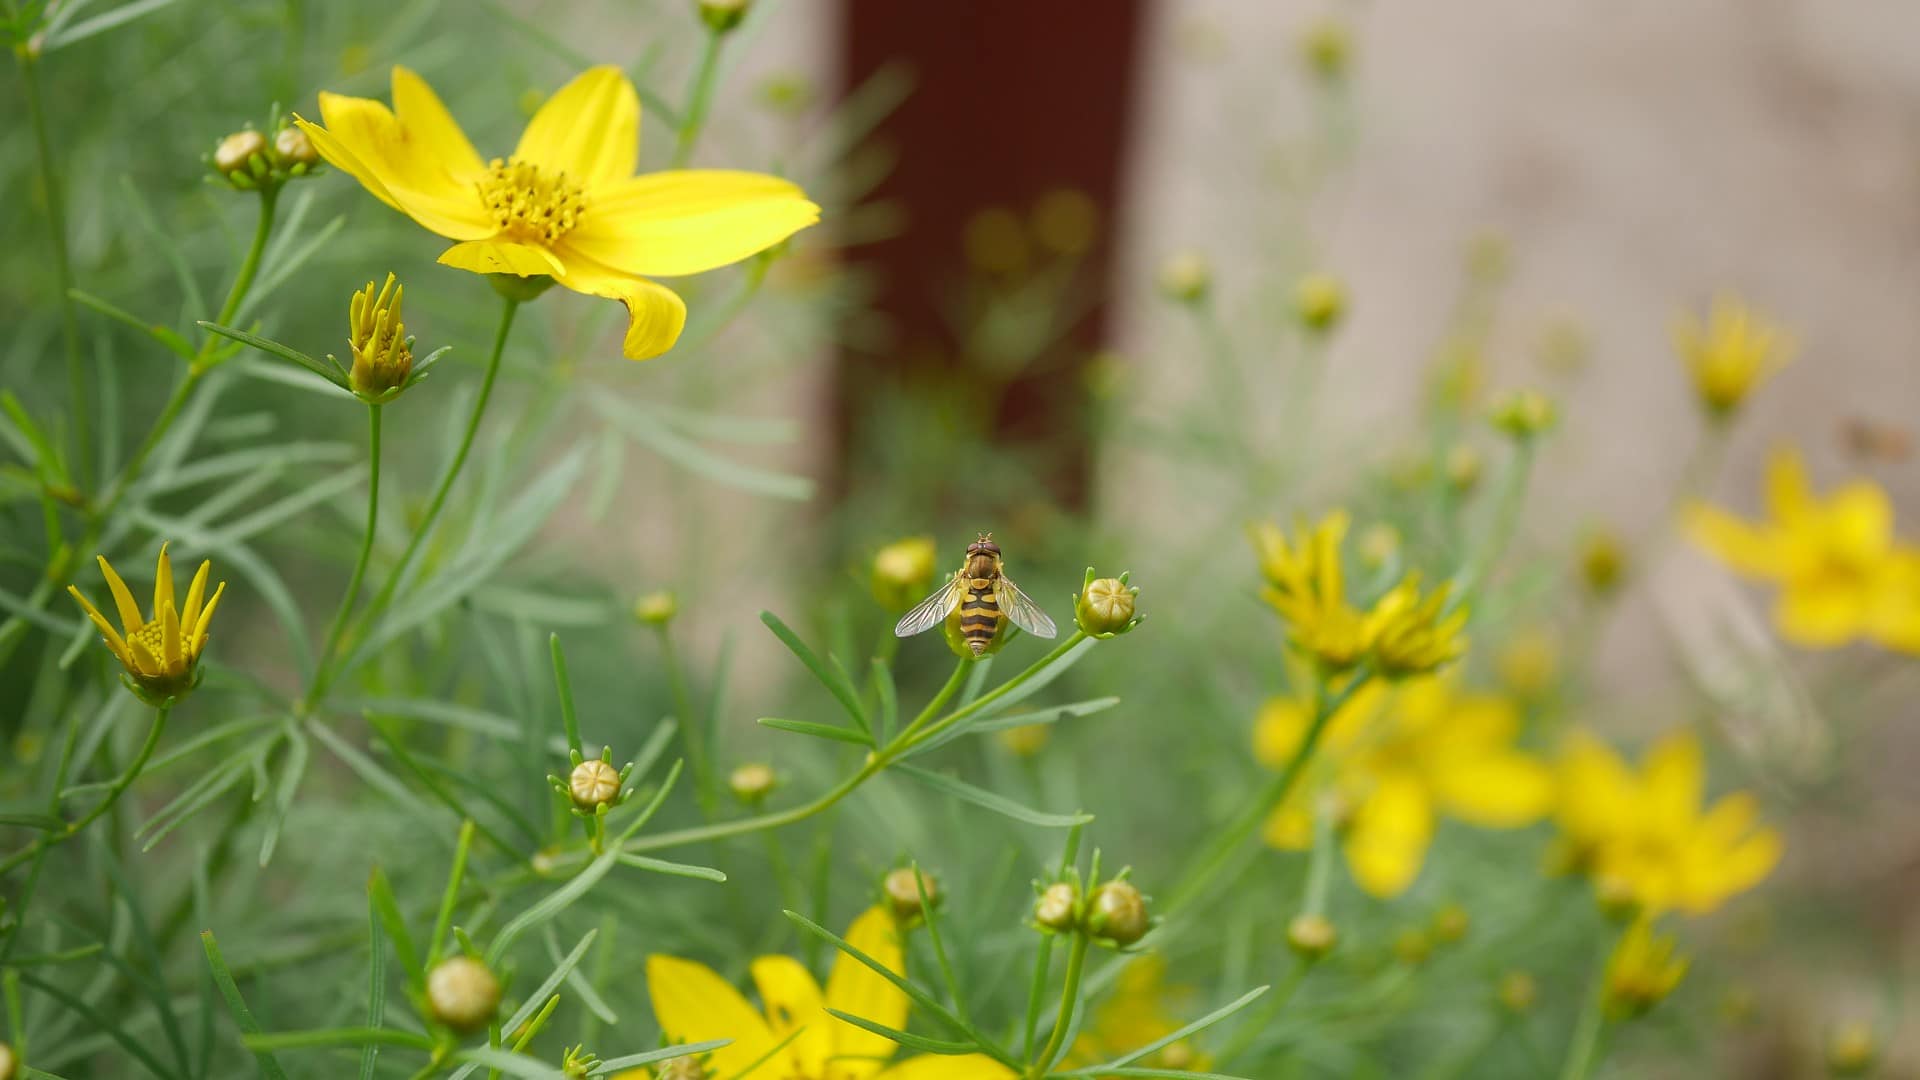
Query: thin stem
(1069,994)
(385,595)
(991,696)
(340,617)
(1583,1050)
(699,100)
(62,265)
(692,731)
(113,794)
(954,683)
(1505,520)
(1258,1024)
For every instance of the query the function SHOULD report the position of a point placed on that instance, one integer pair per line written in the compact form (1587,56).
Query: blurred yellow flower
(694,1004)
(1730,353)
(1025,740)
(1842,574)
(1142,1009)
(1411,634)
(1397,757)
(903,572)
(1306,586)
(1642,971)
(1648,838)
(566,204)
(162,653)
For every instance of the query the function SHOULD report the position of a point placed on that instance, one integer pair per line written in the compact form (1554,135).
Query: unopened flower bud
(1617,898)
(1327,47)
(1524,414)
(1186,277)
(1379,543)
(903,894)
(462,993)
(1851,1049)
(1517,991)
(235,154)
(1412,946)
(593,783)
(1118,913)
(294,149)
(723,15)
(1603,562)
(656,608)
(1451,923)
(1058,907)
(1320,301)
(1463,468)
(382,351)
(1025,740)
(1311,936)
(1105,606)
(903,572)
(752,783)
(1180,1055)
(9,1062)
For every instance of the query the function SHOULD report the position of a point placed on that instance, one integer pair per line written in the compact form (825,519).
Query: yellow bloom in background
(1143,1008)
(694,1004)
(1648,837)
(1396,759)
(566,204)
(903,572)
(1306,585)
(1643,969)
(1411,634)
(1842,574)
(1731,353)
(161,653)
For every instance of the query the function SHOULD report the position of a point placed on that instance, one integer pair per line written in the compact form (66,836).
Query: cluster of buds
(462,993)
(594,787)
(1113,912)
(1104,607)
(248,161)
(909,892)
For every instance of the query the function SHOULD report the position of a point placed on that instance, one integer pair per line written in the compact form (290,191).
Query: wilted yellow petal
(589,129)
(857,990)
(693,1004)
(655,314)
(687,221)
(793,1001)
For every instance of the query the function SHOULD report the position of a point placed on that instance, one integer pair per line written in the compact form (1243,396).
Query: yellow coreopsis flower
(161,653)
(1306,585)
(1643,969)
(694,1004)
(1142,1009)
(566,204)
(1397,757)
(1411,634)
(1648,838)
(1842,574)
(1730,353)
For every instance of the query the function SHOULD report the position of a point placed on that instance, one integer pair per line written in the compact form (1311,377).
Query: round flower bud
(1463,468)
(1058,907)
(593,783)
(1118,913)
(656,608)
(1327,47)
(462,993)
(1602,562)
(903,572)
(292,147)
(1524,414)
(903,895)
(723,15)
(9,1062)
(752,783)
(1851,1049)
(1451,923)
(1412,946)
(1517,991)
(1105,607)
(1311,936)
(1320,301)
(235,152)
(1025,740)
(1186,277)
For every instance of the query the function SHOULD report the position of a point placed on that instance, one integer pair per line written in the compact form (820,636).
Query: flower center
(529,205)
(153,637)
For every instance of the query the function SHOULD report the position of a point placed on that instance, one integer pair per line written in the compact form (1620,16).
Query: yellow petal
(114,641)
(364,139)
(1387,840)
(130,619)
(793,1001)
(1289,827)
(1859,520)
(1674,778)
(1278,730)
(693,1004)
(1820,615)
(430,126)
(690,220)
(199,639)
(164,611)
(1504,790)
(501,257)
(1754,550)
(1788,496)
(144,662)
(589,129)
(938,1067)
(196,593)
(655,313)
(1597,791)
(857,990)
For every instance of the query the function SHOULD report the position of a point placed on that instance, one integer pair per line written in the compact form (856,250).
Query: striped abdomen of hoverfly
(981,619)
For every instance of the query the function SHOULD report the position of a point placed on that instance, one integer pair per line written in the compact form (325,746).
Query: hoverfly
(978,603)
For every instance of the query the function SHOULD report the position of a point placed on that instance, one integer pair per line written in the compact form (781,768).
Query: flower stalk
(332,641)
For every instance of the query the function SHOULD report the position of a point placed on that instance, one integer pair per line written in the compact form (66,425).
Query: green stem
(1583,1050)
(1258,1024)
(325,658)
(387,588)
(62,265)
(113,794)
(954,683)
(1505,521)
(699,100)
(1069,994)
(903,743)
(692,731)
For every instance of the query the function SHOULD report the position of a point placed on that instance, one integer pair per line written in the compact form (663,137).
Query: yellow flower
(1647,837)
(1642,971)
(903,572)
(1397,756)
(1306,586)
(694,1004)
(162,653)
(1732,352)
(1142,1009)
(566,204)
(1415,635)
(1841,573)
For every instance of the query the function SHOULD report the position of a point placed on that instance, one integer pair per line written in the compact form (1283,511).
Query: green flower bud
(1412,946)
(1852,1049)
(293,149)
(592,784)
(1451,923)
(1058,908)
(242,158)
(1117,913)
(9,1062)
(903,895)
(1320,302)
(723,15)
(1524,414)
(1517,991)
(1104,607)
(462,993)
(903,572)
(752,783)
(1311,936)
(656,608)
(1186,277)
(1463,468)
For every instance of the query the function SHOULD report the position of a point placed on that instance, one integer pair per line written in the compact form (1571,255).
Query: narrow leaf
(237,1005)
(834,678)
(999,804)
(818,731)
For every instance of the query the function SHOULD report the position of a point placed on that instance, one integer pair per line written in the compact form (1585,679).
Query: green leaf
(135,1047)
(550,984)
(818,731)
(1201,1024)
(387,910)
(552,904)
(291,773)
(999,804)
(698,459)
(43,822)
(376,976)
(974,724)
(237,1005)
(911,1042)
(346,1036)
(101,23)
(165,335)
(274,348)
(634,1061)
(663,866)
(834,677)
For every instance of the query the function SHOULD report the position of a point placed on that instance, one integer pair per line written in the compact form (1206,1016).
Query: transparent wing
(1023,611)
(928,613)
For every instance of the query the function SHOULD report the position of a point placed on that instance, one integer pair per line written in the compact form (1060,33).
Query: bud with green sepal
(909,892)
(1104,607)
